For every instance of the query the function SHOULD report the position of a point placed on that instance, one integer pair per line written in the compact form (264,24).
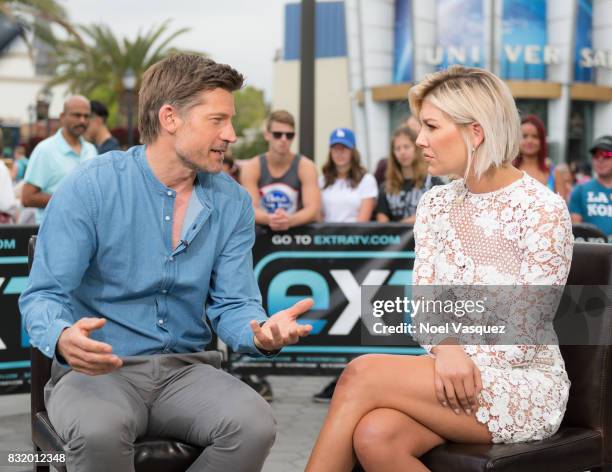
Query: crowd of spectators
(288,190)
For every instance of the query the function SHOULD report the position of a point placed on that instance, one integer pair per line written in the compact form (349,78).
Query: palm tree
(95,68)
(33,14)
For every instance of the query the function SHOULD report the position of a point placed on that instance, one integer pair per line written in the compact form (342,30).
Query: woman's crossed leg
(386,413)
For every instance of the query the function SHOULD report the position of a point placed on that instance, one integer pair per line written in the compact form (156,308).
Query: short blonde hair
(280,116)
(470,95)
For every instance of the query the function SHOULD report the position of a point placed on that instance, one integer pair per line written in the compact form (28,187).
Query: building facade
(555,55)
(24,74)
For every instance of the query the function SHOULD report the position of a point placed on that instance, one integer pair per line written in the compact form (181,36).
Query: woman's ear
(477,134)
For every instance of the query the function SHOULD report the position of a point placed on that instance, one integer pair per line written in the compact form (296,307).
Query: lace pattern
(518,235)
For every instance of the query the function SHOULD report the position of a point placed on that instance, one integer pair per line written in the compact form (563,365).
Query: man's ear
(267,135)
(168,118)
(477,134)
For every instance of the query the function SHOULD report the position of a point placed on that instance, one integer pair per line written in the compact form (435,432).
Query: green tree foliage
(247,149)
(251,109)
(36,14)
(96,68)
(28,11)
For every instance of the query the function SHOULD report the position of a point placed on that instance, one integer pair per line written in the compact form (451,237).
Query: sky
(243,33)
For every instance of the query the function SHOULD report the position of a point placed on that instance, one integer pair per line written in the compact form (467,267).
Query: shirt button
(47,349)
(169,193)
(160,321)
(167,218)
(171,259)
(164,291)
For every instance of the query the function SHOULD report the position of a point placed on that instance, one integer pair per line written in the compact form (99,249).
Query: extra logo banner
(329,263)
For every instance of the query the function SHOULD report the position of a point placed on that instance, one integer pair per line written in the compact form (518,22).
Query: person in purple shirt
(140,251)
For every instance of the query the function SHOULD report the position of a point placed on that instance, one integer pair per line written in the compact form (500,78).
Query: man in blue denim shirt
(137,249)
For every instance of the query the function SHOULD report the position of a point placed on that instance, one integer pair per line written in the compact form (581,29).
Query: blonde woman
(406,180)
(494,223)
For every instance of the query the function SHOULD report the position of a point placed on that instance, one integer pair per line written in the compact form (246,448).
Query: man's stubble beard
(195,167)
(75,134)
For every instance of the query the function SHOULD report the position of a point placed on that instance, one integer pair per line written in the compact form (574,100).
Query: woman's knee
(358,378)
(374,438)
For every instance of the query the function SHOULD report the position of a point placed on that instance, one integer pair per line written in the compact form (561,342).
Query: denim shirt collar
(203,185)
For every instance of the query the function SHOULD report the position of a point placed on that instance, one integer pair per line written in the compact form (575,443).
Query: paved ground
(299,420)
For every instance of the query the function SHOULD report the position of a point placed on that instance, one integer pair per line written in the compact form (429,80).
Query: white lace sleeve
(424,262)
(425,244)
(546,245)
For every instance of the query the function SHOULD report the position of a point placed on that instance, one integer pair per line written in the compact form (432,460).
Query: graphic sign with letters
(328,263)
(14,341)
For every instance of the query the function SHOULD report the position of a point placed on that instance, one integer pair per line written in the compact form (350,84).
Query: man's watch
(263,351)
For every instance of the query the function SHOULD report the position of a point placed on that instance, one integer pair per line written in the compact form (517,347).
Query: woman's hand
(457,379)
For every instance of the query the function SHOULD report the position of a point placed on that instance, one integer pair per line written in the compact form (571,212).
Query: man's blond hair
(280,116)
(178,81)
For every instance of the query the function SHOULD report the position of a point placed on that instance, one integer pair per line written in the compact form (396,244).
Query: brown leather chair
(584,440)
(152,454)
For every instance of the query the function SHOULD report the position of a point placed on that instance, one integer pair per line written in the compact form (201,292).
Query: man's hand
(282,329)
(86,355)
(279,221)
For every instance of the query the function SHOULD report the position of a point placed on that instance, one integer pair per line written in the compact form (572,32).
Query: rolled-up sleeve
(64,247)
(234,298)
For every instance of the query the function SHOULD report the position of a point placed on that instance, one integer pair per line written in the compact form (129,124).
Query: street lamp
(129,84)
(32,119)
(43,102)
(48,98)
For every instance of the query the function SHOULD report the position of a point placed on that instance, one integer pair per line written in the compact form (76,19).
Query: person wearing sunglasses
(282,185)
(591,202)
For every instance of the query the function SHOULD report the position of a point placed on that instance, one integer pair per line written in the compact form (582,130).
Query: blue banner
(524,38)
(14,341)
(403,44)
(584,40)
(460,34)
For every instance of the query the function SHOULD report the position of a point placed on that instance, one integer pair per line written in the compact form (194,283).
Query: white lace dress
(518,235)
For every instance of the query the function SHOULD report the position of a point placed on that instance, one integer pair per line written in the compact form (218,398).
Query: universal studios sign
(521,42)
(533,54)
